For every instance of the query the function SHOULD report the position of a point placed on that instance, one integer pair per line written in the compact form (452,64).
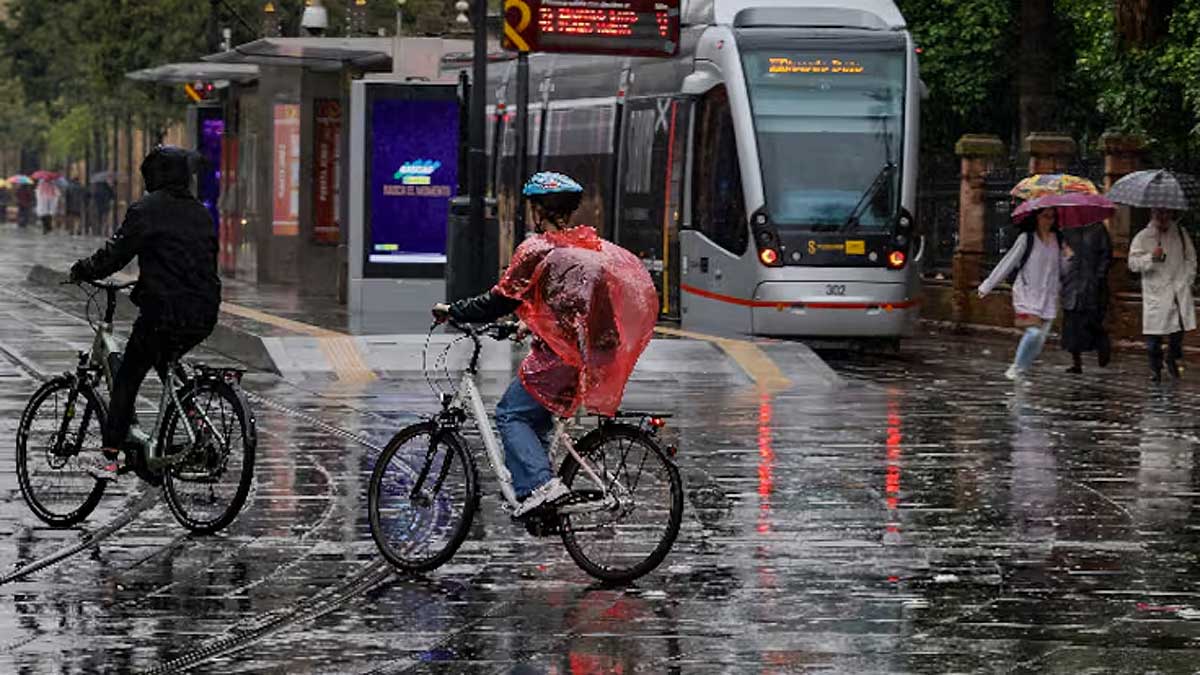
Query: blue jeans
(524,425)
(1031,345)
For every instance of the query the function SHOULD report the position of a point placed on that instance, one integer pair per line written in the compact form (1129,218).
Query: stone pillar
(1122,155)
(1049,152)
(977,153)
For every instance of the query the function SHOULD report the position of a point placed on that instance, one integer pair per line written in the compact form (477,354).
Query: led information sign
(413,174)
(818,66)
(616,27)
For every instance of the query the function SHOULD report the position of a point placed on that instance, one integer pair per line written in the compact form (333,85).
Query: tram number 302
(835,289)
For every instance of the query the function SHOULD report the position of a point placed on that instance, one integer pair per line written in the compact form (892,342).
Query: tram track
(365,578)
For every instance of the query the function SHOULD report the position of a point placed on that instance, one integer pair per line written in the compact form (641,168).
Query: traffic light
(199,91)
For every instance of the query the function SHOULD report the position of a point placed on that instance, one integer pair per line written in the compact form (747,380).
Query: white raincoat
(1167,303)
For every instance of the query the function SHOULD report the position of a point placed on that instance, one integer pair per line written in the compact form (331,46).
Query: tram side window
(717,200)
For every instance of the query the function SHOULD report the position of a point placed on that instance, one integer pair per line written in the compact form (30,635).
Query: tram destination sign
(614,27)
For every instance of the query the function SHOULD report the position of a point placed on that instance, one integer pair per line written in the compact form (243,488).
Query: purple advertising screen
(413,144)
(208,187)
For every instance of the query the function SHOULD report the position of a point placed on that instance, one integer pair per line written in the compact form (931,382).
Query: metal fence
(938,196)
(937,207)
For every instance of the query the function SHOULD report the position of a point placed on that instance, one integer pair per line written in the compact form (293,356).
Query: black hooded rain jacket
(174,239)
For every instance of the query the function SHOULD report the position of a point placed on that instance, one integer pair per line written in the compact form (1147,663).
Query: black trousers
(1154,346)
(149,346)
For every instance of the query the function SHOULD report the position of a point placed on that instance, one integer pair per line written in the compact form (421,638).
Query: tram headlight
(769,257)
(896,260)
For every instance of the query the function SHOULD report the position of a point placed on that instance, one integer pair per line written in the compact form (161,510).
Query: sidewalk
(277,329)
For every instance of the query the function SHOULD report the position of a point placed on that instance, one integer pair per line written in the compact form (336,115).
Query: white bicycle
(618,522)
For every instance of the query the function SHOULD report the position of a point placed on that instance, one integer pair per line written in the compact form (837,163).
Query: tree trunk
(1142,23)
(1035,68)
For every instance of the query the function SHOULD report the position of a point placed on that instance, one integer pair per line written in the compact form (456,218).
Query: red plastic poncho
(592,306)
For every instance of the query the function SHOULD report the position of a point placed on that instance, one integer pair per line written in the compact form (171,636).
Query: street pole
(522,144)
(477,158)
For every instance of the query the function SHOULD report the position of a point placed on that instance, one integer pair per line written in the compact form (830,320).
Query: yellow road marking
(754,361)
(339,348)
(279,321)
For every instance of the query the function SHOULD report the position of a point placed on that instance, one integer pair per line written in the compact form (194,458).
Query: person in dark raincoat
(178,292)
(1085,293)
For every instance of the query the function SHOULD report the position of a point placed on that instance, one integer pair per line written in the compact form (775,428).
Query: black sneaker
(1075,370)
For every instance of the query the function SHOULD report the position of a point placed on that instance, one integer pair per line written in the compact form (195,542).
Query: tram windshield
(829,125)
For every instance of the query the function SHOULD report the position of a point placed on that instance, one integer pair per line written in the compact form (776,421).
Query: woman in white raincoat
(1166,258)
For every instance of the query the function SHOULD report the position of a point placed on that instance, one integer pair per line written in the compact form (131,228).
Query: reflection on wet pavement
(922,515)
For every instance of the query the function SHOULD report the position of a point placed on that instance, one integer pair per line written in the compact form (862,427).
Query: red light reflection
(891,484)
(766,464)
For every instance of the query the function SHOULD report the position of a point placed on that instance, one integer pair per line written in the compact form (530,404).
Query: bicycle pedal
(541,523)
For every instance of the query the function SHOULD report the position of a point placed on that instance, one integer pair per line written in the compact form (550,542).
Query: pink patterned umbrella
(1075,209)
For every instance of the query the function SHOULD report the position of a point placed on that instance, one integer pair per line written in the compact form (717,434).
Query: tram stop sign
(614,27)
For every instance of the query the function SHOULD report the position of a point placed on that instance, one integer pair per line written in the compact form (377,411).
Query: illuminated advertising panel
(616,27)
(413,140)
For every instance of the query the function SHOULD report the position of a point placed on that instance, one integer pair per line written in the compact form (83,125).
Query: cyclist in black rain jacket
(178,292)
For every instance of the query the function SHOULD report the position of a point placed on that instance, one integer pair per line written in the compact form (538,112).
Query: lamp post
(400,16)
(476,158)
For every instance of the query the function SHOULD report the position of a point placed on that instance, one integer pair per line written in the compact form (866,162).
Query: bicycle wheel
(206,483)
(55,485)
(423,495)
(624,542)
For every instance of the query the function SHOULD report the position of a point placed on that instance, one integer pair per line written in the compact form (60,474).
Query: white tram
(766,174)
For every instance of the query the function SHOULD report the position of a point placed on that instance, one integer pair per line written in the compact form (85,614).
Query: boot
(1104,352)
(1173,368)
(1077,363)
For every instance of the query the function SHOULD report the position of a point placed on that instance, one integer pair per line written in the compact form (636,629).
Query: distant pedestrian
(1085,293)
(25,200)
(74,200)
(102,198)
(47,203)
(1037,261)
(1166,258)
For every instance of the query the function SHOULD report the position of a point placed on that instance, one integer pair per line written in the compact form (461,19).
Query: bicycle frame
(104,345)
(469,399)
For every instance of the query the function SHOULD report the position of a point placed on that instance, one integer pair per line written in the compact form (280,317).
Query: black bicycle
(202,451)
(618,522)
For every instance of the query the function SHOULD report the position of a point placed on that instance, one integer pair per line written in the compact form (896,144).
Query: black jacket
(174,239)
(1085,283)
(483,308)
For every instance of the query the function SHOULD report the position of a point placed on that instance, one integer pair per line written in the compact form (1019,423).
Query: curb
(235,343)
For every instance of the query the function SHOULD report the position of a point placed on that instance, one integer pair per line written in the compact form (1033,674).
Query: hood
(167,168)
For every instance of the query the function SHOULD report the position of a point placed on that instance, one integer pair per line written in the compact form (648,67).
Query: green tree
(965,63)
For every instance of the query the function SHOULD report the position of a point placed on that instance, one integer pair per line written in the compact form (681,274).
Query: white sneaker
(546,493)
(1013,372)
(100,466)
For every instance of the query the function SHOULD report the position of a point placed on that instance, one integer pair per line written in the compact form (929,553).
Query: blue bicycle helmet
(558,194)
(550,183)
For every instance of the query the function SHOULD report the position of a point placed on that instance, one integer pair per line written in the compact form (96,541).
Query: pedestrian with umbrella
(1085,277)
(23,189)
(48,195)
(1165,257)
(1038,260)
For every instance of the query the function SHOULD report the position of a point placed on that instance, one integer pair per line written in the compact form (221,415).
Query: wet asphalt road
(923,516)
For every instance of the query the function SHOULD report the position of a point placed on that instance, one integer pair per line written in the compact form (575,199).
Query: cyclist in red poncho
(592,307)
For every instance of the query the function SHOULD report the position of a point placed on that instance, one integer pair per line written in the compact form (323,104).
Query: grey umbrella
(1157,189)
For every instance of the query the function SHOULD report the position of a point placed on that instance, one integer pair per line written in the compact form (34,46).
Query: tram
(766,174)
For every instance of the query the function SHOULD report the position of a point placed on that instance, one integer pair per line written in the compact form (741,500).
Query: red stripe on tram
(742,302)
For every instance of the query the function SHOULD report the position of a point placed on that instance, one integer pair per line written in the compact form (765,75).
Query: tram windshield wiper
(856,213)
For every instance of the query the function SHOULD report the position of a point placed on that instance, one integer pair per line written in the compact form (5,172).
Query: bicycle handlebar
(501,330)
(105,286)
